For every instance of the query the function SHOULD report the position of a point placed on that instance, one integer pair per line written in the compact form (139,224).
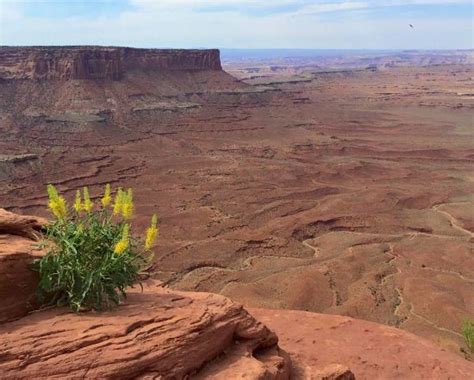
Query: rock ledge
(157,333)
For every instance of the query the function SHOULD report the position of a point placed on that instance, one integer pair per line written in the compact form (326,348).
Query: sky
(249,24)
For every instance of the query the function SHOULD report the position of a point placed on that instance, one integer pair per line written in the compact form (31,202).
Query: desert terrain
(338,190)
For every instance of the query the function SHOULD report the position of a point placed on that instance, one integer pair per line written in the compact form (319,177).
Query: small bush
(468,333)
(92,257)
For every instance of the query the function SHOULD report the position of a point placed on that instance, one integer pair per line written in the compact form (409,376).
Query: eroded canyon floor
(344,192)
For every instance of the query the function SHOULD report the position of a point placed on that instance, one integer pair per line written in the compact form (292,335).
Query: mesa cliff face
(94,62)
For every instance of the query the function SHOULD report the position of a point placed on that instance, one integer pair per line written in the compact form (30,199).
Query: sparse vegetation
(468,333)
(92,257)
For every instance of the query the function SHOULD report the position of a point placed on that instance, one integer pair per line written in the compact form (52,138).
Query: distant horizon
(231,48)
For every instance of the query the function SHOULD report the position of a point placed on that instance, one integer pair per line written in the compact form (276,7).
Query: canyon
(163,333)
(336,190)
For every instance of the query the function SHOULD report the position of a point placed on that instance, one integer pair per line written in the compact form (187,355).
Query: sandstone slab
(156,333)
(22,225)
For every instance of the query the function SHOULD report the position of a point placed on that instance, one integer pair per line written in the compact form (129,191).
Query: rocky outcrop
(23,225)
(156,333)
(332,372)
(316,342)
(17,282)
(96,62)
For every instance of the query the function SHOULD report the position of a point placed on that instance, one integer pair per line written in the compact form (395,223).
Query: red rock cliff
(94,62)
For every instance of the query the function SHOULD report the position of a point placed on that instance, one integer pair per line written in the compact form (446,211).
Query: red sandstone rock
(333,372)
(23,225)
(370,350)
(17,282)
(156,333)
(94,62)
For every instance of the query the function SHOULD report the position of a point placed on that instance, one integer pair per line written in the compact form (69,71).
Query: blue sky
(323,24)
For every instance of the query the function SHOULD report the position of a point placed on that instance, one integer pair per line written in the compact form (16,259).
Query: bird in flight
(411,26)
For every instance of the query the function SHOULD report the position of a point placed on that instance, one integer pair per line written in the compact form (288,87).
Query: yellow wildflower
(118,202)
(58,207)
(88,204)
(123,243)
(151,233)
(120,247)
(52,192)
(78,202)
(57,204)
(127,206)
(106,199)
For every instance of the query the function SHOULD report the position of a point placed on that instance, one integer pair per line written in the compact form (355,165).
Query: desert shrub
(468,333)
(91,255)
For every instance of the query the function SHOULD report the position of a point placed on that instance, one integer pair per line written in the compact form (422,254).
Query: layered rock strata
(156,333)
(99,63)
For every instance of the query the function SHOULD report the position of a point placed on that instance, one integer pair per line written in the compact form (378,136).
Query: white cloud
(332,7)
(176,23)
(324,5)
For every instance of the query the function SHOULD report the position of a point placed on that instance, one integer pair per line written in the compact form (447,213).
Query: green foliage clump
(468,333)
(91,257)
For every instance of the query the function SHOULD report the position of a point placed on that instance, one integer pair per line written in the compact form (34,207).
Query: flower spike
(118,202)
(127,206)
(124,242)
(151,233)
(78,202)
(57,204)
(106,199)
(88,204)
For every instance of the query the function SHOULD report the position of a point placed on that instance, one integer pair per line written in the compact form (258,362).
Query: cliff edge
(99,63)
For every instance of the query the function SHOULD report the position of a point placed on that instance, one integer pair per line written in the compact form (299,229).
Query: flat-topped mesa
(96,62)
